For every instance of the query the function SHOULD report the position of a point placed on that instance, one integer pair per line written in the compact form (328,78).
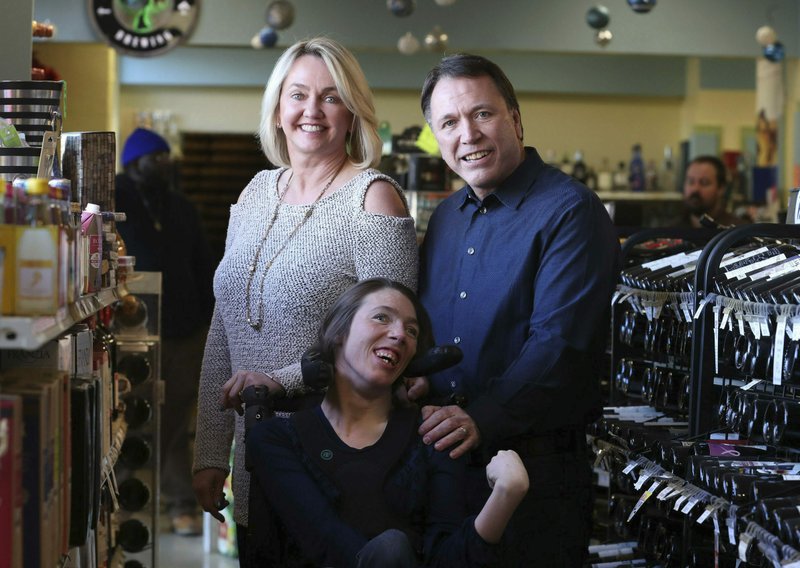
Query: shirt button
(462,295)
(470,250)
(482,210)
(456,340)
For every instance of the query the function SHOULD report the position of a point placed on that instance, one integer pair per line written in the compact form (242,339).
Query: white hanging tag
(716,339)
(777,357)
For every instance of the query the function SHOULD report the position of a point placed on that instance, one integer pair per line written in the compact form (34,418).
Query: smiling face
(381,342)
(479,136)
(312,115)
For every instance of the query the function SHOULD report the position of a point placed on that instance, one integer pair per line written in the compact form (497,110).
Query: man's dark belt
(561,441)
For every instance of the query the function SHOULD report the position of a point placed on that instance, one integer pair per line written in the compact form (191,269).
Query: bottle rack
(644,442)
(137,480)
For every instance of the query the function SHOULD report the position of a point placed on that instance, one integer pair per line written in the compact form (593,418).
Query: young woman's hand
(507,473)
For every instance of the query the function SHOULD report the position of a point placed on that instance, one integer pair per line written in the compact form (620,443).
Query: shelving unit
(682,517)
(32,332)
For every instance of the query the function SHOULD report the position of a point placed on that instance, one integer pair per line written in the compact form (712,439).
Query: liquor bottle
(579,170)
(620,178)
(636,169)
(651,181)
(605,178)
(565,165)
(37,254)
(92,231)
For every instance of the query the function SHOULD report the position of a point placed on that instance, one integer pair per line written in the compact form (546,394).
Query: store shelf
(33,332)
(638,196)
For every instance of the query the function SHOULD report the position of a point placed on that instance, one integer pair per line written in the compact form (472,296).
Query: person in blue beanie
(164,233)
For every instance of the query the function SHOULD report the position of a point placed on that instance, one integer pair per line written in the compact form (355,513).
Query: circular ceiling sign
(144,27)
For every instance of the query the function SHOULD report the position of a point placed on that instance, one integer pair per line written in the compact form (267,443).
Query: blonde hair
(364,143)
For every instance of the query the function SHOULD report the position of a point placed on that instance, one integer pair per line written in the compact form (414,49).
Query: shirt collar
(515,187)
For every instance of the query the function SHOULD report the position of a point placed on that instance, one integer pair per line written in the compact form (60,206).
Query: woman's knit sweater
(339,244)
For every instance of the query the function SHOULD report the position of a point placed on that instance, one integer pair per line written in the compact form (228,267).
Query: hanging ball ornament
(401,8)
(280,14)
(436,40)
(266,37)
(597,17)
(774,52)
(765,35)
(642,6)
(445,2)
(603,37)
(408,44)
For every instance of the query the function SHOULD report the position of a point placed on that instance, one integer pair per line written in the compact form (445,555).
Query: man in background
(163,232)
(704,193)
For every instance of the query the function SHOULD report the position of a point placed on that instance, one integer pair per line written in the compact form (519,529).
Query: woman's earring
(278,125)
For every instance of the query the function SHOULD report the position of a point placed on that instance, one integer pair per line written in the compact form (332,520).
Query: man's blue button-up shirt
(522,282)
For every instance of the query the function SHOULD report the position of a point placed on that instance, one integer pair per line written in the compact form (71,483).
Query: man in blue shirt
(517,268)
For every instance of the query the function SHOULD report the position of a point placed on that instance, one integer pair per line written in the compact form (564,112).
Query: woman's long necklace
(257,323)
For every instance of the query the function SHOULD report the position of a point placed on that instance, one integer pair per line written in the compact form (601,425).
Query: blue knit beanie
(140,143)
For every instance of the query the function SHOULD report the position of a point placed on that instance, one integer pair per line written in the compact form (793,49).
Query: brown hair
(339,318)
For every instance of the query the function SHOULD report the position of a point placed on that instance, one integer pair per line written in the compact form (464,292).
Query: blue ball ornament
(774,52)
(401,8)
(642,6)
(597,17)
(268,37)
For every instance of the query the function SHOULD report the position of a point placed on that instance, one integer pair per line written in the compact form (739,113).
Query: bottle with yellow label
(37,254)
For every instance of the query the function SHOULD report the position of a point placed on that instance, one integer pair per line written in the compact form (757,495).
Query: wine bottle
(133,535)
(135,452)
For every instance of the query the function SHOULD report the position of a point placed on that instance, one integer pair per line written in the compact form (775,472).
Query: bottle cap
(37,186)
(92,208)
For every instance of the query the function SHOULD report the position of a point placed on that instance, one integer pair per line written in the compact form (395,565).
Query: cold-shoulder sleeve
(385,246)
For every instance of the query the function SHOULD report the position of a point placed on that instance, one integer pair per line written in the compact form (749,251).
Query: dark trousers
(553,524)
(181,359)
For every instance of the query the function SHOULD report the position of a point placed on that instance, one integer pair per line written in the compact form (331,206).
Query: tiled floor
(189,552)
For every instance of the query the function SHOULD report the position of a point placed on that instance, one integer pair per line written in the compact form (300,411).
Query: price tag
(731,523)
(750,385)
(763,321)
(690,505)
(777,358)
(745,539)
(630,467)
(705,514)
(665,493)
(726,314)
(702,305)
(645,475)
(645,496)
(716,339)
(754,327)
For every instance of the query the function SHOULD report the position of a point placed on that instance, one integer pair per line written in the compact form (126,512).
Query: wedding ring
(463,431)
(240,393)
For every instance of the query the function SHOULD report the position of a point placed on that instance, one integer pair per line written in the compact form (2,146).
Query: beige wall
(90,70)
(600,126)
